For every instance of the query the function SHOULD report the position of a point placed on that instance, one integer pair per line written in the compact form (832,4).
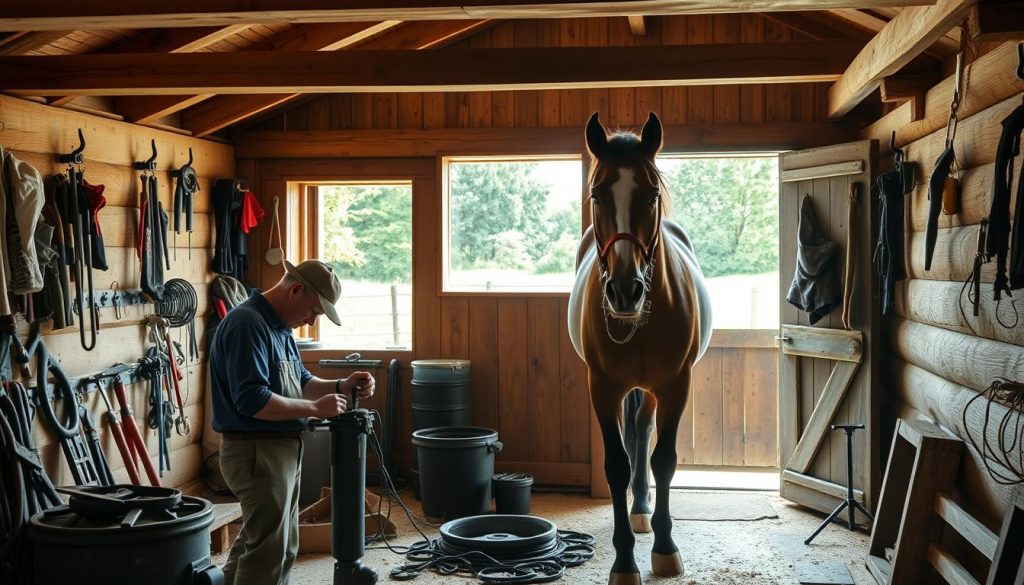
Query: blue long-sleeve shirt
(252,350)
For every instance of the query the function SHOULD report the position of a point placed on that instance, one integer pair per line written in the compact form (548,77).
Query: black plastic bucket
(440,398)
(512,493)
(440,394)
(456,470)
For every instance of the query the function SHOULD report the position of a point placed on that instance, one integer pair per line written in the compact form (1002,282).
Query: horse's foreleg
(616,470)
(639,425)
(665,557)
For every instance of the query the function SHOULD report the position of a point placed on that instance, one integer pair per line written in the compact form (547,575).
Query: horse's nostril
(638,290)
(609,291)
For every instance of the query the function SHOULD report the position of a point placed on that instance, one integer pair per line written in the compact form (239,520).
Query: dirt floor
(719,552)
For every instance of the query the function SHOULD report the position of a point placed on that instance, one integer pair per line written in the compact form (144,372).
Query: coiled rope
(179,306)
(1010,427)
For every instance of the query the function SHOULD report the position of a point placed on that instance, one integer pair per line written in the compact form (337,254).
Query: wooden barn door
(827,372)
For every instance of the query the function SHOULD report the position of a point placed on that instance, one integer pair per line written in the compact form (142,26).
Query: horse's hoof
(624,579)
(667,565)
(641,523)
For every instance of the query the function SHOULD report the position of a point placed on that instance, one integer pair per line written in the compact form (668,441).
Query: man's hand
(363,380)
(330,405)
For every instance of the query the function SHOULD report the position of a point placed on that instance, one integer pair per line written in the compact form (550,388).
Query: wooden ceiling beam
(440,70)
(224,111)
(947,44)
(164,40)
(20,43)
(996,22)
(25,15)
(902,39)
(688,138)
(637,25)
(310,37)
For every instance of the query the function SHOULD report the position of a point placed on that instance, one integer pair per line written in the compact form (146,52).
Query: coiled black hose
(179,306)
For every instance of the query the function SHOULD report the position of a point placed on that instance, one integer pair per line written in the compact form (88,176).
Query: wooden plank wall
(527,381)
(35,133)
(940,355)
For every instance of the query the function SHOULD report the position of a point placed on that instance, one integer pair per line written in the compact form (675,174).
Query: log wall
(939,355)
(36,133)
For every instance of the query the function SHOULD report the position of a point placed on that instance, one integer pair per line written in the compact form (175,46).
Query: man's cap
(319,278)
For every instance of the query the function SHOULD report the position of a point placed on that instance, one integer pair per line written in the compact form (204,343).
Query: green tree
(729,208)
(367,231)
(489,201)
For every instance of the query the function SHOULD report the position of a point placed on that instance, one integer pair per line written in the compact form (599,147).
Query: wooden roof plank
(904,37)
(225,111)
(312,37)
(23,15)
(440,70)
(20,43)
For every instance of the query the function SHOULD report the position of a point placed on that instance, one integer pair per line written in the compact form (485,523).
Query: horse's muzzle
(625,295)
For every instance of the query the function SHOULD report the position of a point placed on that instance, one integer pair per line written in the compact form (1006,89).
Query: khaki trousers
(264,475)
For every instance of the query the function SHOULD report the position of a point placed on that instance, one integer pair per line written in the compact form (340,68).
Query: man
(262,397)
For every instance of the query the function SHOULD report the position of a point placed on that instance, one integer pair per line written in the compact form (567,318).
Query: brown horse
(639,316)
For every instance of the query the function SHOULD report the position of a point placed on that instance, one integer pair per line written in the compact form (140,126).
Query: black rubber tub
(456,467)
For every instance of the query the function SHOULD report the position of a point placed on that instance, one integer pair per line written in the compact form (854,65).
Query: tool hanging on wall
(179,307)
(943,185)
(152,230)
(185,187)
(275,255)
(75,209)
(892,188)
(83,469)
(998,243)
(973,283)
(161,414)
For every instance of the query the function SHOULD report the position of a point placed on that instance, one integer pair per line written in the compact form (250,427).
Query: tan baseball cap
(319,277)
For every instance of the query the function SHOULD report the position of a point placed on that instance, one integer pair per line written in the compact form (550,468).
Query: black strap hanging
(186,185)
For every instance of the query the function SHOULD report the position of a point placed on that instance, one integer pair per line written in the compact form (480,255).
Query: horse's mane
(624,150)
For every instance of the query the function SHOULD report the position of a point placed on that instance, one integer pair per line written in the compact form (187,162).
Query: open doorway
(728,205)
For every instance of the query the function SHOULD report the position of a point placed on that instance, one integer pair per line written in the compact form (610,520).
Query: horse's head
(626,206)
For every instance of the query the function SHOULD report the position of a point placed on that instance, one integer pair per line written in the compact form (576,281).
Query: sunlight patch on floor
(726,478)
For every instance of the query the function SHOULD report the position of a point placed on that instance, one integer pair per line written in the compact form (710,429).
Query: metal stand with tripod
(849,502)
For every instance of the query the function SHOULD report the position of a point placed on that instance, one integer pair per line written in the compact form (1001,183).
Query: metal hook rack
(75,156)
(147,165)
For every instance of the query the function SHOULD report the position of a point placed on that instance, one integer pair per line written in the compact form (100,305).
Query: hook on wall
(1020,61)
(147,165)
(75,156)
(177,172)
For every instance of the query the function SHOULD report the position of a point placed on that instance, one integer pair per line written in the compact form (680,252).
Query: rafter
(948,43)
(310,37)
(996,22)
(165,40)
(20,43)
(227,110)
(20,15)
(904,37)
(441,70)
(637,26)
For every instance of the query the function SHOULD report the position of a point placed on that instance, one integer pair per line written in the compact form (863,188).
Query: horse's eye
(595,197)
(654,197)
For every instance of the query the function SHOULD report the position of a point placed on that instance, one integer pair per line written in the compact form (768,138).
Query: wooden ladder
(915,491)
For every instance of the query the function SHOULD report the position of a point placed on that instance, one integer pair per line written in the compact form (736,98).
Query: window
(364,230)
(730,209)
(511,225)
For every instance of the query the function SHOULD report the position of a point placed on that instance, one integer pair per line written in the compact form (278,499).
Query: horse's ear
(651,136)
(597,138)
